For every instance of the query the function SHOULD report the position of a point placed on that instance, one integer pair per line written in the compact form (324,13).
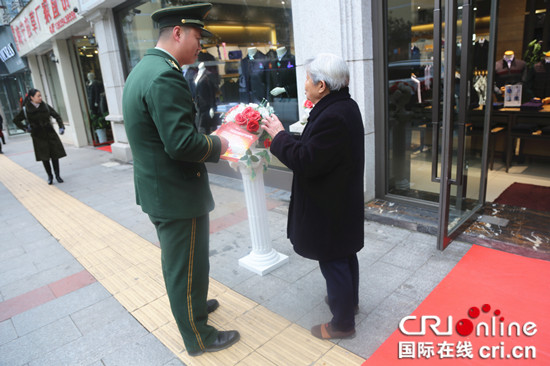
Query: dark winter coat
(326,213)
(45,140)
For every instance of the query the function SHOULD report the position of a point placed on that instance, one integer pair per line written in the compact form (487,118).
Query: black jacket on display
(282,73)
(252,79)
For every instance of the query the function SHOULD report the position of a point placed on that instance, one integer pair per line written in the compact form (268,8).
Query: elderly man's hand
(272,125)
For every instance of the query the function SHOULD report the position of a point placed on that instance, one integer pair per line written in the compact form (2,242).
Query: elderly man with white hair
(326,213)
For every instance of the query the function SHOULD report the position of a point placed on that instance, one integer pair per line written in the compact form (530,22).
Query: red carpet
(526,195)
(105,148)
(486,289)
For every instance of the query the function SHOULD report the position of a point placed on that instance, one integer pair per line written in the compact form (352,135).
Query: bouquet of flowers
(241,125)
(308,106)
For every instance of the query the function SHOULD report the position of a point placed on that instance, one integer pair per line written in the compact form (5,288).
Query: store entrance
(461,125)
(518,180)
(92,84)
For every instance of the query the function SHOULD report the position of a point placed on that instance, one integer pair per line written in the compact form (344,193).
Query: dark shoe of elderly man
(212,305)
(225,339)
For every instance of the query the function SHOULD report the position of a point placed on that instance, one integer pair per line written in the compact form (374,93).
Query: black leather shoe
(223,341)
(212,305)
(59,179)
(50,179)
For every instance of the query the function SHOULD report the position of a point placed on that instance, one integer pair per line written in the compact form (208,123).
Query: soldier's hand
(225,144)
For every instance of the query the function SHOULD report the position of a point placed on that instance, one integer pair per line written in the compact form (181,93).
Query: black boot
(55,163)
(48,170)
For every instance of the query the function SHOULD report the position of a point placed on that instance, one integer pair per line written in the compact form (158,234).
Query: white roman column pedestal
(263,258)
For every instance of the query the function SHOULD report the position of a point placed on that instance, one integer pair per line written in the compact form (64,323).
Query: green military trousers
(185,266)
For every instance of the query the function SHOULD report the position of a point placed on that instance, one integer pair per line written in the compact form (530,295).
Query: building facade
(427,131)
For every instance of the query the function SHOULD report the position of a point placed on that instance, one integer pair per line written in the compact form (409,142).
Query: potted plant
(99,125)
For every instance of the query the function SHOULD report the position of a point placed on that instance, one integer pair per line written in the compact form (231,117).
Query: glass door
(465,120)
(437,61)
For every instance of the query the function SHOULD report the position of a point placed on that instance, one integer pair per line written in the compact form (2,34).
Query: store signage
(7,52)
(40,20)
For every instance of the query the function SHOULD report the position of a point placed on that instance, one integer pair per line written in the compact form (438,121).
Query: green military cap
(192,15)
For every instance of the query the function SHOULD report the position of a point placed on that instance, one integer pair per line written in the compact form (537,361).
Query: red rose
(267,143)
(253,115)
(240,119)
(253,126)
(247,110)
(308,104)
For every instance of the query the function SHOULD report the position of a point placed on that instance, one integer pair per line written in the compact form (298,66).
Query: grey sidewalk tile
(262,288)
(11,258)
(409,255)
(98,315)
(31,234)
(7,332)
(13,276)
(377,281)
(388,233)
(374,250)
(38,279)
(59,308)
(40,244)
(299,297)
(42,341)
(94,346)
(224,244)
(146,351)
(227,271)
(379,325)
(53,260)
(427,277)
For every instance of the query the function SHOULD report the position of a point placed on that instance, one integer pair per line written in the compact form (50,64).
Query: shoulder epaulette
(172,64)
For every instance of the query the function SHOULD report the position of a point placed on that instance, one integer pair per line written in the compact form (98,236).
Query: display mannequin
(252,78)
(541,79)
(481,53)
(252,52)
(283,75)
(94,88)
(509,70)
(205,100)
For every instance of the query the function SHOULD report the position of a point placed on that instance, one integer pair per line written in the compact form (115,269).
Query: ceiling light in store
(96,52)
(418,8)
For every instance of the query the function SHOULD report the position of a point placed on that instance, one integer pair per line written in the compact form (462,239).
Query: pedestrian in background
(47,145)
(326,213)
(170,177)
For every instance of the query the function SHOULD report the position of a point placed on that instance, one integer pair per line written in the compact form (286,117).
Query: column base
(263,263)
(121,152)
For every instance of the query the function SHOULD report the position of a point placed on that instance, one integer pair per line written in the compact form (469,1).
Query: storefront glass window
(12,92)
(250,57)
(54,94)
(92,83)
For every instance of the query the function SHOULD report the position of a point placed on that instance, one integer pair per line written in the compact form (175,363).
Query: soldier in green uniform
(170,177)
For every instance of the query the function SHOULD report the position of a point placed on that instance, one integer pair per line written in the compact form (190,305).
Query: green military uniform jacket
(169,153)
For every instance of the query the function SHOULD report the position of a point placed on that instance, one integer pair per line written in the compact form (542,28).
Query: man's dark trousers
(342,277)
(185,266)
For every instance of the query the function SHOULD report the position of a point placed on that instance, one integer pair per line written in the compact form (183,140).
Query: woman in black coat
(45,140)
(326,213)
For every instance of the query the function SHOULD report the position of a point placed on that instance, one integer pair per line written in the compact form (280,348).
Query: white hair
(329,68)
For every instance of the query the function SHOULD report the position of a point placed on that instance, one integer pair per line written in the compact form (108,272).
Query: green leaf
(248,152)
(254,158)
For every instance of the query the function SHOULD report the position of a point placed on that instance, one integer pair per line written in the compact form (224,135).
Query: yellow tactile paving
(129,267)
